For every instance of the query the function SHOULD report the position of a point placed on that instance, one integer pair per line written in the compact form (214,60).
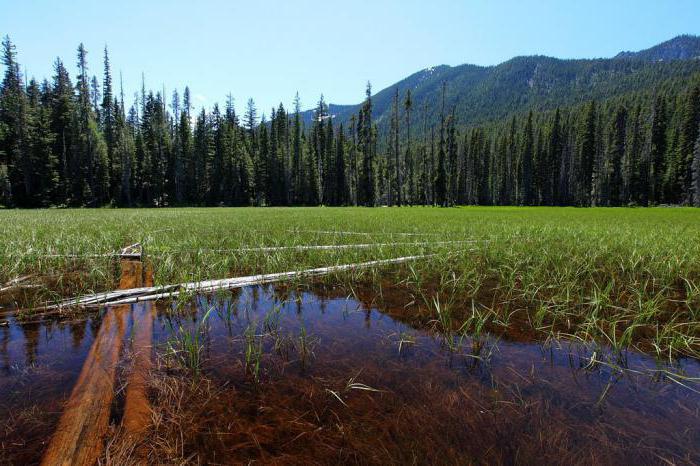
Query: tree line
(65,143)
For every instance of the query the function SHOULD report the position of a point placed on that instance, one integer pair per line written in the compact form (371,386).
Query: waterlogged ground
(295,378)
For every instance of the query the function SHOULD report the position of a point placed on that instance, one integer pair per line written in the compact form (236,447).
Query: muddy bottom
(303,379)
(292,378)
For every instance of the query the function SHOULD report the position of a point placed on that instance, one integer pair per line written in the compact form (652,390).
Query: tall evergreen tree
(585,156)
(695,188)
(552,161)
(657,151)
(688,135)
(410,163)
(296,152)
(525,188)
(367,190)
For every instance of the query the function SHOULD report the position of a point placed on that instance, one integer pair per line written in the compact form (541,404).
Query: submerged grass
(623,277)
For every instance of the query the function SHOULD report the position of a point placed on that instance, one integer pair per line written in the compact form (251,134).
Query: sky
(269,50)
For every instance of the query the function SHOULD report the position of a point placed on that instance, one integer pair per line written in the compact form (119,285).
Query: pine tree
(452,160)
(108,125)
(185,156)
(657,150)
(525,191)
(296,152)
(216,169)
(251,117)
(688,135)
(312,175)
(441,176)
(42,165)
(123,153)
(410,163)
(511,163)
(552,161)
(354,164)
(328,190)
(367,190)
(260,162)
(696,174)
(13,117)
(585,156)
(202,152)
(615,152)
(397,185)
(62,114)
(91,187)
(341,183)
(633,166)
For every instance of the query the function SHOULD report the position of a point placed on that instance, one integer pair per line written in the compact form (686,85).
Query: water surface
(337,382)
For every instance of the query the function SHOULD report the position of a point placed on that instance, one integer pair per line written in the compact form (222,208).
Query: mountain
(683,47)
(478,94)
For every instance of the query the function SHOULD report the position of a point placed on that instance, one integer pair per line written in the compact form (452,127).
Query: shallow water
(510,402)
(39,363)
(339,383)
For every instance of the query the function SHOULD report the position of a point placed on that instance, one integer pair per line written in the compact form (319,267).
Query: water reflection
(338,375)
(481,394)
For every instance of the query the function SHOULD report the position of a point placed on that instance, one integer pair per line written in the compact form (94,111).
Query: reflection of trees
(77,331)
(31,336)
(95,323)
(4,350)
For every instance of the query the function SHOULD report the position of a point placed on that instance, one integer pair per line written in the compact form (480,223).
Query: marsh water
(302,378)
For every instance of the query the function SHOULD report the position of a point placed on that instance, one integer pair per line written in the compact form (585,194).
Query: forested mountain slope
(480,94)
(531,131)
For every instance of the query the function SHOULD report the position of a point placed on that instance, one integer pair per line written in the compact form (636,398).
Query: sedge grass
(625,277)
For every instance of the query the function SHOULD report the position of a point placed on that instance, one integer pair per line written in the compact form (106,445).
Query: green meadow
(622,277)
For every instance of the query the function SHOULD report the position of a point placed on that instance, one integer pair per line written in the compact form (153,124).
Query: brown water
(339,383)
(39,364)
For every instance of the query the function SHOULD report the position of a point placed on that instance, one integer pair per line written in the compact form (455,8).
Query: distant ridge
(479,94)
(684,47)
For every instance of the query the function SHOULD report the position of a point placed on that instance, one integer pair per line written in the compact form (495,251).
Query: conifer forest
(76,140)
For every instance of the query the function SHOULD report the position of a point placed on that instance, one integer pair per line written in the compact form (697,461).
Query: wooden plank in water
(79,437)
(137,409)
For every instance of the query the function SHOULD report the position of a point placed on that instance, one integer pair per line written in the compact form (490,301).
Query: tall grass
(626,277)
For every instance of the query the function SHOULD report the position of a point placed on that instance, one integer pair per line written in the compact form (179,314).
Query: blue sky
(268,50)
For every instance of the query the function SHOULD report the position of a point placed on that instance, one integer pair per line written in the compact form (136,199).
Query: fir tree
(657,150)
(525,191)
(585,156)
(688,135)
(696,173)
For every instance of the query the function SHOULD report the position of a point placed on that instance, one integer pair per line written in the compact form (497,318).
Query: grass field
(622,277)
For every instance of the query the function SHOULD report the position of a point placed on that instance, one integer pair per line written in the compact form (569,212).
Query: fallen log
(207,286)
(137,409)
(79,437)
(14,283)
(333,246)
